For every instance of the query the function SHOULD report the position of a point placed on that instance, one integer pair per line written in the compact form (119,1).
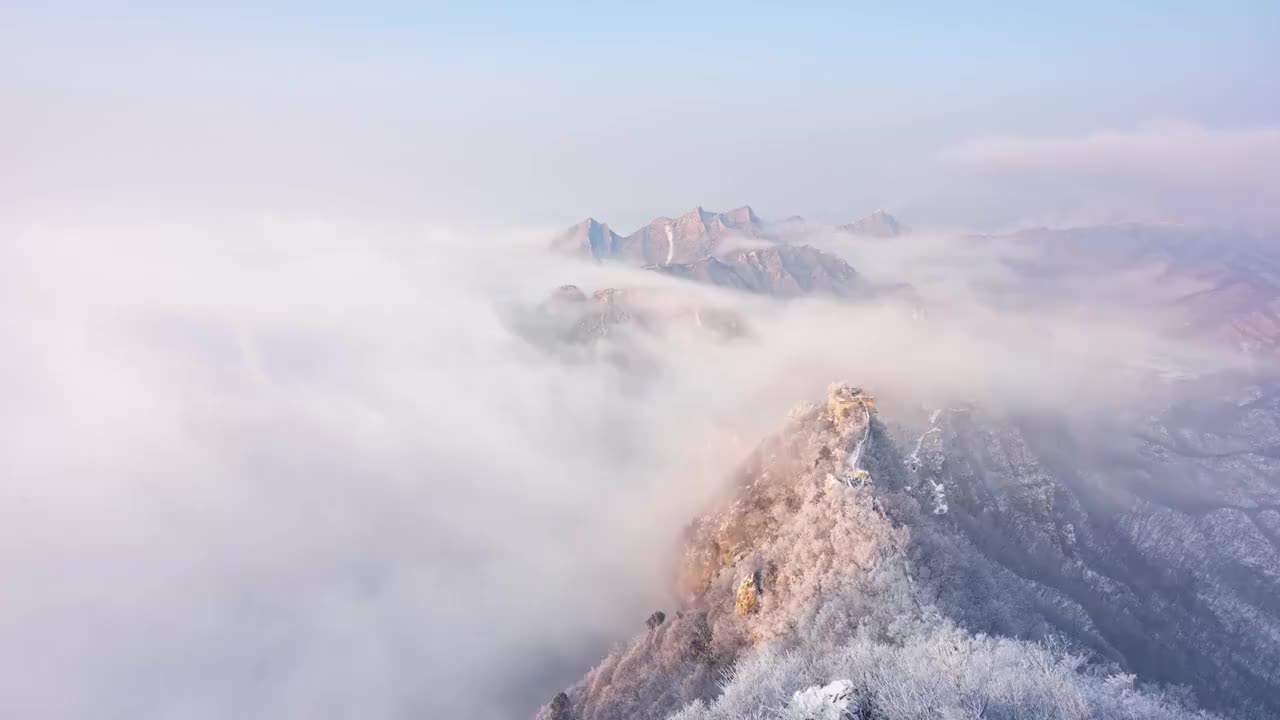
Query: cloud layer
(1166,171)
(296,470)
(282,473)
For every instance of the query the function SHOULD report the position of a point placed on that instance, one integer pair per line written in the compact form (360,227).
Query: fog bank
(305,470)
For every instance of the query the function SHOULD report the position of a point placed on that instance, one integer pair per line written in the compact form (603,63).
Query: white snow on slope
(828,702)
(913,460)
(939,498)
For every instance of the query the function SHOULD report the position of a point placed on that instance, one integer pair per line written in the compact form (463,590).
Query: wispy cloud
(1163,171)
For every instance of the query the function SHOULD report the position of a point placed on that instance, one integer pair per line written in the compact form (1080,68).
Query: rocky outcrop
(747,599)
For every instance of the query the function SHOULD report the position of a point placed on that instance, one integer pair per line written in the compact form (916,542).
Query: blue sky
(609,108)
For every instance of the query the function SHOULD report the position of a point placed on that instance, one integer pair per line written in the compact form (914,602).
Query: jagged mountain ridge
(823,553)
(700,233)
(734,249)
(664,241)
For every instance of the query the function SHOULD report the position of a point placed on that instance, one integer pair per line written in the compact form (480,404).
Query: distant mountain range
(1204,285)
(734,249)
(699,233)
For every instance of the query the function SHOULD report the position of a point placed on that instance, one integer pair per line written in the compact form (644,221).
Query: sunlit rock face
(756,564)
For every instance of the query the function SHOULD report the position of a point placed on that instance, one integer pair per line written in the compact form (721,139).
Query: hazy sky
(551,111)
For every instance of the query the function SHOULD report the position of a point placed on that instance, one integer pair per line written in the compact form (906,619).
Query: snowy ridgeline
(906,659)
(861,608)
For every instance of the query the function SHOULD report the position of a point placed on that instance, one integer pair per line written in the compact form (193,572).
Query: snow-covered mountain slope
(825,582)
(1156,539)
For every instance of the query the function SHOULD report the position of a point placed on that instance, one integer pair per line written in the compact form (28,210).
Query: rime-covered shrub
(932,669)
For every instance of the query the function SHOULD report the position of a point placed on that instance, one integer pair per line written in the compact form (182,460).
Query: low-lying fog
(313,471)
